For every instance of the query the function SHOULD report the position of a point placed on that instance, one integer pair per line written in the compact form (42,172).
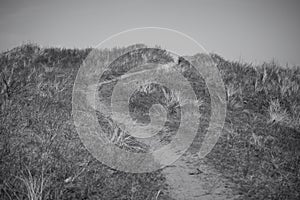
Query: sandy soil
(190,178)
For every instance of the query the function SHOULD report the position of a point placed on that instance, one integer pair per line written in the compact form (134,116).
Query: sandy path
(189,178)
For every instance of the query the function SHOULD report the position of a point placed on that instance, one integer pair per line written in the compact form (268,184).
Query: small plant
(35,186)
(277,114)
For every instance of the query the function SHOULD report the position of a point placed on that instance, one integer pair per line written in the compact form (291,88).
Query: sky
(242,30)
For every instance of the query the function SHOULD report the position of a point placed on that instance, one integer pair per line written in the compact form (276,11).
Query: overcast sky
(249,30)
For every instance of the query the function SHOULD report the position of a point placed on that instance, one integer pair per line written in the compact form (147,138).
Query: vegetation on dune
(260,146)
(42,156)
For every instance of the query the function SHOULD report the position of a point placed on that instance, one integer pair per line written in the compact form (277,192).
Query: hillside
(42,156)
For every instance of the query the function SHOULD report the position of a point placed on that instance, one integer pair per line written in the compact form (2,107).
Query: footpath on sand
(190,178)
